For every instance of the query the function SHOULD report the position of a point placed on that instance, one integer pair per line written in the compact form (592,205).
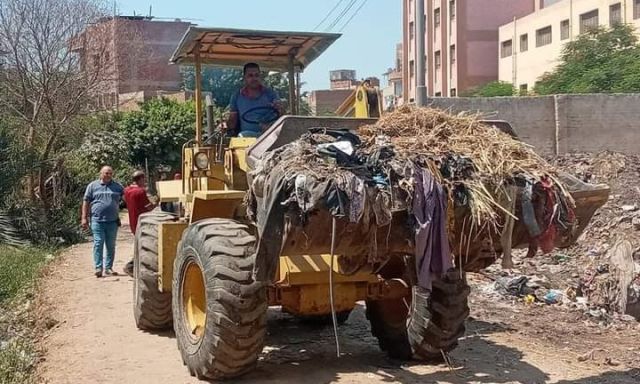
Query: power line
(353,15)
(328,14)
(341,15)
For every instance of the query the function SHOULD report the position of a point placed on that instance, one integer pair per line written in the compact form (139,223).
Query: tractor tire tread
(235,327)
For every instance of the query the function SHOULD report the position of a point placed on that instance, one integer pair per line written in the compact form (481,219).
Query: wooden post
(292,83)
(198,81)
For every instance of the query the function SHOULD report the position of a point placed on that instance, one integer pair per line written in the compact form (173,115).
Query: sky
(367,44)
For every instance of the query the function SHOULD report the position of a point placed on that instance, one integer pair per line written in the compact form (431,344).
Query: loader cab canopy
(289,52)
(272,50)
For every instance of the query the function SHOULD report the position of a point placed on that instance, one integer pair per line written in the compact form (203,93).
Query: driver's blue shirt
(241,103)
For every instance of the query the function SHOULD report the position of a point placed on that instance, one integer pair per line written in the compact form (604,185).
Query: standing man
(260,102)
(135,196)
(100,209)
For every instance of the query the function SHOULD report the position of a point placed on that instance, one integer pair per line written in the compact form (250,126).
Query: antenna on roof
(150,10)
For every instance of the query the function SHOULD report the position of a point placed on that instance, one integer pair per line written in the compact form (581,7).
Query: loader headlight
(201,160)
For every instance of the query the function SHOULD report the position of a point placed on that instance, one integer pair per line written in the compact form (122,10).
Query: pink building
(461,43)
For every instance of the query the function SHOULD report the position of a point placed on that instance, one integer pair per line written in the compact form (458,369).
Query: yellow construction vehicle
(195,270)
(364,102)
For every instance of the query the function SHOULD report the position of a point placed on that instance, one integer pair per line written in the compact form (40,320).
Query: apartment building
(461,43)
(133,53)
(531,45)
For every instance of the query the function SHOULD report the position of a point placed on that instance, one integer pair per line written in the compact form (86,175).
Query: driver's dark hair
(249,66)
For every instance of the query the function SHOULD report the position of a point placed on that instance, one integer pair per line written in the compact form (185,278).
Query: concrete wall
(565,123)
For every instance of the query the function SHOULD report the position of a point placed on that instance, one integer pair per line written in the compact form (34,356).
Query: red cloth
(137,203)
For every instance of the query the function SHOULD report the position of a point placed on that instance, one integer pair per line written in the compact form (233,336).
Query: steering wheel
(265,114)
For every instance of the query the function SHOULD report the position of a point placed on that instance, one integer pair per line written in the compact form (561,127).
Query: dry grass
(435,132)
(496,156)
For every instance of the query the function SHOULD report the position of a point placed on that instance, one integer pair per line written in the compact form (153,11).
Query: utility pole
(421,89)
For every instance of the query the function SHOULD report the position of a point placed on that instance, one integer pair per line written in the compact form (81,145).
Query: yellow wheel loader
(195,270)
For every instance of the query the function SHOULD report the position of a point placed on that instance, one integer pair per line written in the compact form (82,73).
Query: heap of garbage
(458,179)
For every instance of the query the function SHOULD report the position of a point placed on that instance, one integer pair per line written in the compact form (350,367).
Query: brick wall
(564,123)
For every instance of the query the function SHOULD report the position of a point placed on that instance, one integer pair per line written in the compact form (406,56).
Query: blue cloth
(104,234)
(241,104)
(104,200)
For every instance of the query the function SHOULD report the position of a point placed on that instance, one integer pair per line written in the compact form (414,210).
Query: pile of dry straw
(496,156)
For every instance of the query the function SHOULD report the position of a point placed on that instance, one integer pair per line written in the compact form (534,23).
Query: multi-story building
(392,92)
(132,54)
(342,79)
(461,43)
(531,45)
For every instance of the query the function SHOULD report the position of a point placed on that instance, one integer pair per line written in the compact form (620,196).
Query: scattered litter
(554,296)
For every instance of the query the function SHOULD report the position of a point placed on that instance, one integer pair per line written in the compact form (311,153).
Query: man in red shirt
(135,196)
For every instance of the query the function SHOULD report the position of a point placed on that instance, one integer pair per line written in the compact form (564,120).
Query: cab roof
(236,47)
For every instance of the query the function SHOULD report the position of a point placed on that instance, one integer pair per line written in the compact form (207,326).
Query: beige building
(461,43)
(531,45)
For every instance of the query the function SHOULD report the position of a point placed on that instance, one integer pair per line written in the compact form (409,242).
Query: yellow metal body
(169,234)
(303,285)
(358,105)
(194,300)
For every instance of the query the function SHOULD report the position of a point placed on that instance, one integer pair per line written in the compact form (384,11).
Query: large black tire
(437,318)
(432,325)
(151,308)
(234,328)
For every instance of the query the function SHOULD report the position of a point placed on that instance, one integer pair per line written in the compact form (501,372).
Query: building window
(452,54)
(565,29)
(438,94)
(636,9)
(438,60)
(543,36)
(615,14)
(452,9)
(524,89)
(588,21)
(524,42)
(453,92)
(436,18)
(412,31)
(506,48)
(412,69)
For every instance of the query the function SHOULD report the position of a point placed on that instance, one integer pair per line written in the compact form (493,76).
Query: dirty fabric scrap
(431,242)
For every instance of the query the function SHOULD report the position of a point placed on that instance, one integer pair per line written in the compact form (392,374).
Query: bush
(18,271)
(17,362)
(19,268)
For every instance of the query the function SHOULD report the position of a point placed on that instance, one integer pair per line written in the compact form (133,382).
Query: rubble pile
(605,265)
(591,275)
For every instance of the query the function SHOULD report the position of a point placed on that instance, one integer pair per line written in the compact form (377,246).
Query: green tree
(155,134)
(598,61)
(492,89)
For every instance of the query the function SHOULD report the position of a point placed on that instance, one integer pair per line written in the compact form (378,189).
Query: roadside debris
(600,275)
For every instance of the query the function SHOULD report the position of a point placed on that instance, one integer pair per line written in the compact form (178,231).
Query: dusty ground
(95,341)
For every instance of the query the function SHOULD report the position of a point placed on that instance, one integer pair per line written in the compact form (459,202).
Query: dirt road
(95,341)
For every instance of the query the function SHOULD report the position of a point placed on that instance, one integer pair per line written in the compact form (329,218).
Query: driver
(252,95)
